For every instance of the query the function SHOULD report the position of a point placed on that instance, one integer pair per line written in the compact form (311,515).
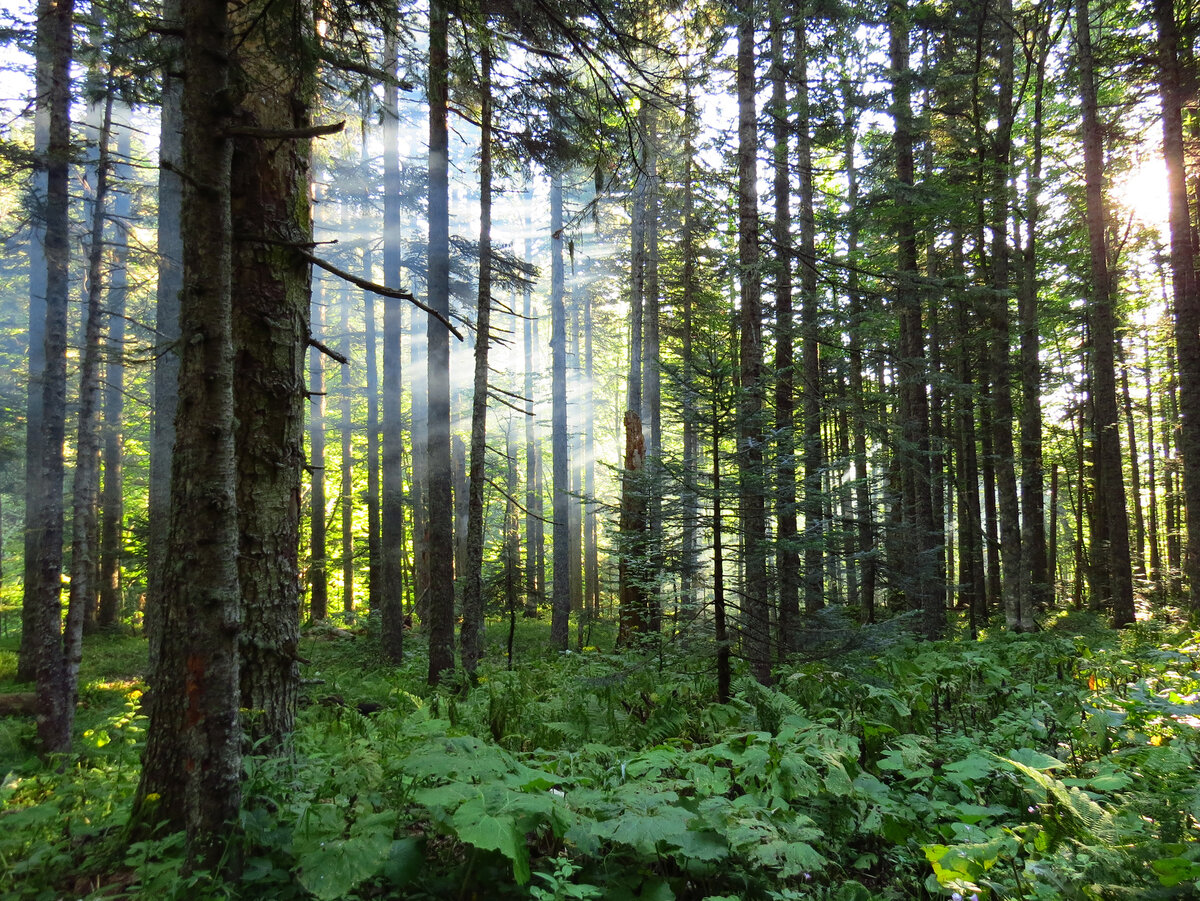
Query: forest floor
(1055,765)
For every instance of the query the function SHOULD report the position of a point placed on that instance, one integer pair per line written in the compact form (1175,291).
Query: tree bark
(1013,586)
(1186,292)
(85,489)
(392,517)
(472,618)
(191,767)
(371,342)
(561,592)
(439,493)
(1033,522)
(346,470)
(922,584)
(1110,480)
(318,568)
(271,298)
(44,518)
(34,491)
(535,575)
(787,560)
(756,618)
(814,538)
(112,502)
(166,323)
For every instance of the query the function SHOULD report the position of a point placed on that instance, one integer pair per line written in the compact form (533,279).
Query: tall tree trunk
(85,485)
(439,494)
(999,344)
(191,767)
(1171,492)
(575,441)
(166,322)
(1186,295)
(972,573)
(34,491)
(392,517)
(458,477)
(691,438)
(1135,476)
(637,292)
(787,560)
(44,518)
(561,592)
(371,342)
(756,612)
(512,536)
(535,580)
(472,616)
(652,402)
(1110,480)
(419,366)
(814,540)
(318,568)
(1155,573)
(1033,521)
(634,605)
(271,300)
(112,506)
(591,561)
(724,650)
(346,423)
(85,489)
(864,512)
(923,585)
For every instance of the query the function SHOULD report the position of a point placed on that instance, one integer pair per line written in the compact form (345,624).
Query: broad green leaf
(475,826)
(337,866)
(1035,759)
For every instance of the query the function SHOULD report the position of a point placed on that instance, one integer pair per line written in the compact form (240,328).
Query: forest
(571,449)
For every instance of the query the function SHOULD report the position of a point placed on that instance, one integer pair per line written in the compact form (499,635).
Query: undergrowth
(1060,765)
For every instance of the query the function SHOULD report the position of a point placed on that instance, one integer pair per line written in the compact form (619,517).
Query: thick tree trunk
(1013,587)
(575,442)
(535,575)
(1186,295)
(371,342)
(756,611)
(112,502)
(561,592)
(1138,551)
(472,617)
(1110,484)
(392,519)
(922,583)
(439,493)
(166,323)
(85,489)
(346,431)
(863,508)
(34,492)
(44,517)
(318,567)
(691,438)
(1156,569)
(635,614)
(271,300)
(814,538)
(724,649)
(787,560)
(1033,521)
(591,561)
(191,767)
